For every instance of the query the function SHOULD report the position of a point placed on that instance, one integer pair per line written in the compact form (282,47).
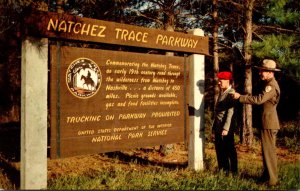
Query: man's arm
(261,98)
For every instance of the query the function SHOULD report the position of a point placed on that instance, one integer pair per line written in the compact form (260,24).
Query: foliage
(289,136)
(100,9)
(158,13)
(279,11)
(278,33)
(281,48)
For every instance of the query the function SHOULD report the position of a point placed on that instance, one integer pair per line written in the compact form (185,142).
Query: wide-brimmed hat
(269,65)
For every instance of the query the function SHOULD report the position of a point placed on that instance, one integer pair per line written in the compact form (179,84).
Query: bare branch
(257,35)
(224,45)
(138,13)
(237,5)
(277,29)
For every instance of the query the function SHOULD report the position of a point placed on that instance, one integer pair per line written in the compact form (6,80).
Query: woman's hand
(224,132)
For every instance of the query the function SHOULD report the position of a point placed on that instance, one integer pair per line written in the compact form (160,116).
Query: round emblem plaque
(83,78)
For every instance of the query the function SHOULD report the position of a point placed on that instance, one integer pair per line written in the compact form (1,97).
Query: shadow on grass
(142,161)
(255,178)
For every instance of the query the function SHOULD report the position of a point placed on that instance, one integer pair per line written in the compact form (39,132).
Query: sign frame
(64,26)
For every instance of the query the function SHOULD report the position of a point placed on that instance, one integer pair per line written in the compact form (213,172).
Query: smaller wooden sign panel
(104,101)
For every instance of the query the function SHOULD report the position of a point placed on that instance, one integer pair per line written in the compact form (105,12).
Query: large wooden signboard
(110,100)
(63,26)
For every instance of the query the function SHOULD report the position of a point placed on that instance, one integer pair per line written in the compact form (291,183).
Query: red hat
(225,75)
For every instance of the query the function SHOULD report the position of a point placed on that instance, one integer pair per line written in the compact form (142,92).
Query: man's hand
(236,95)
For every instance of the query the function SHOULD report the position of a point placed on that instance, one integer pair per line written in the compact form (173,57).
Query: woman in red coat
(223,127)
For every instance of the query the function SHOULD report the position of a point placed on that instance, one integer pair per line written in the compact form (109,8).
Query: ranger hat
(269,65)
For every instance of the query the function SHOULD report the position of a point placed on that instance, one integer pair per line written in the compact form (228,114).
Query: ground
(130,159)
(147,156)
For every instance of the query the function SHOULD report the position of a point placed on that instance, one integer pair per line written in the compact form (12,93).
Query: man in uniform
(268,98)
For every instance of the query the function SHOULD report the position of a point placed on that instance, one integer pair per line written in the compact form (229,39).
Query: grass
(178,179)
(160,178)
(151,177)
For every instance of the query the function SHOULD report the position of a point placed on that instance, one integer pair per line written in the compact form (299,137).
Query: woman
(222,125)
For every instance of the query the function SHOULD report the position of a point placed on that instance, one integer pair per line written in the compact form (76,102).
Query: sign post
(34,113)
(196,102)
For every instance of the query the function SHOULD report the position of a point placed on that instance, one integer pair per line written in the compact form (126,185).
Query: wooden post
(34,113)
(196,103)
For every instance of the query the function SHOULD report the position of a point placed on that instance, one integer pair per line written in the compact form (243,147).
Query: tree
(98,9)
(247,137)
(10,67)
(215,48)
(277,36)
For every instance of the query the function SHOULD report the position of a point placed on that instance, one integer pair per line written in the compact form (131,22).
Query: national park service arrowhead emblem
(268,89)
(83,78)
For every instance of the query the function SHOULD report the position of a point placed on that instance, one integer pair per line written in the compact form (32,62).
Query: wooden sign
(104,101)
(63,26)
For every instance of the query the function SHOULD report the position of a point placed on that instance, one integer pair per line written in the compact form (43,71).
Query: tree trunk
(168,26)
(215,49)
(59,4)
(247,135)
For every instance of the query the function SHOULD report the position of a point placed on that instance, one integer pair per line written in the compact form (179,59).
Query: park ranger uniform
(268,98)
